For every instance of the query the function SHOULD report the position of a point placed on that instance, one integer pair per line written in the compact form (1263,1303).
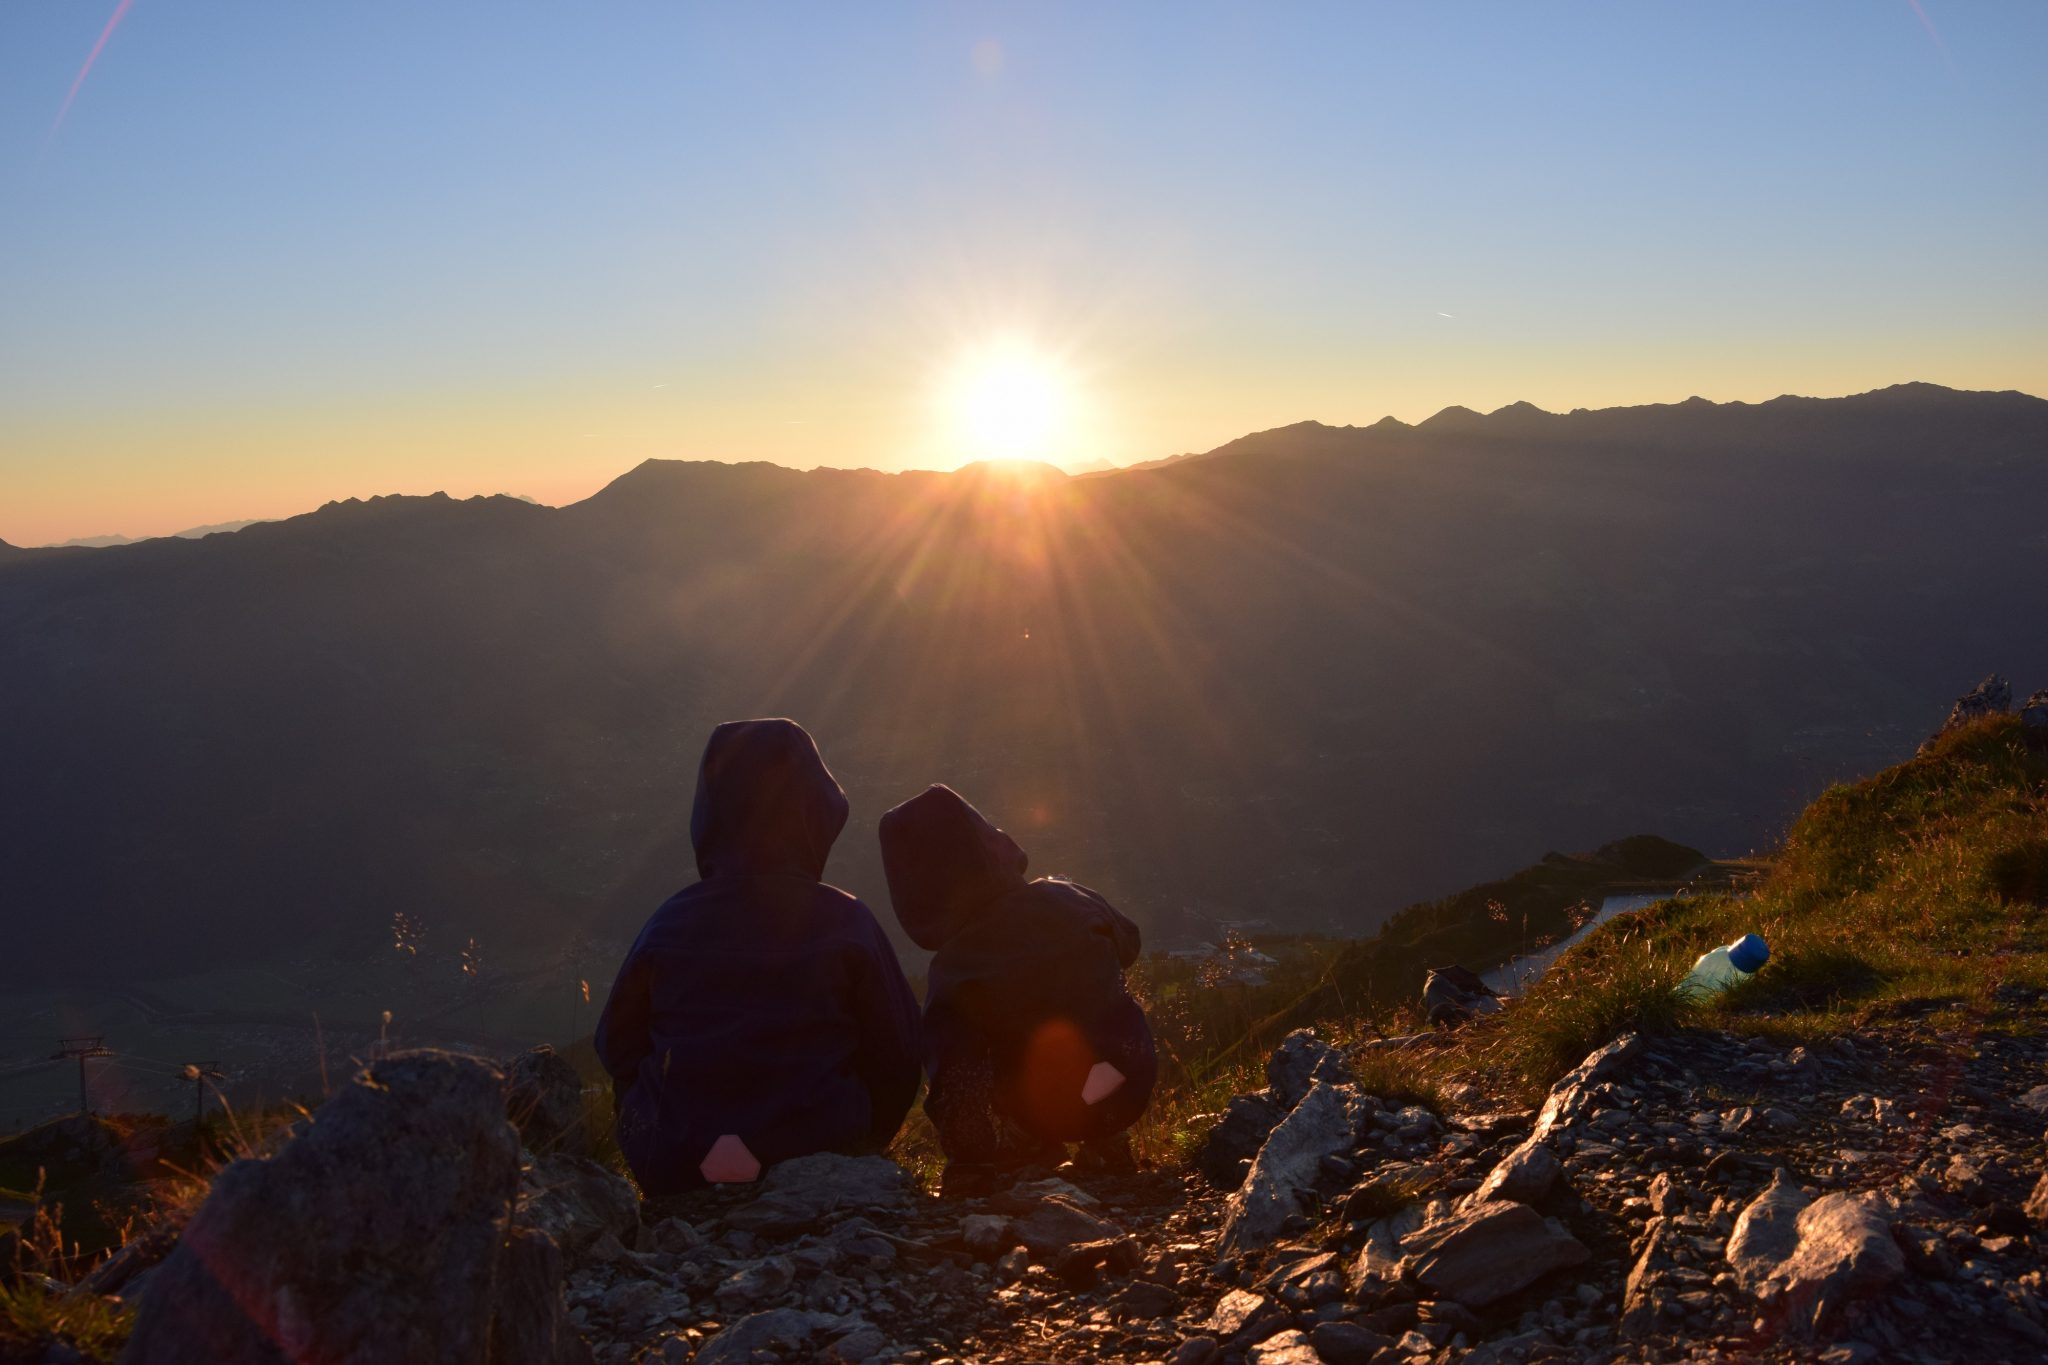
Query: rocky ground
(1694,1197)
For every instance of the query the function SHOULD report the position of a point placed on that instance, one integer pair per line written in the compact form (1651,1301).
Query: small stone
(1053,1225)
(1488,1251)
(1144,1299)
(986,1235)
(1195,1351)
(1011,1265)
(1286,1348)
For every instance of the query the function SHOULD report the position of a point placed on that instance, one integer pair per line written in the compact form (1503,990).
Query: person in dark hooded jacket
(1031,1039)
(761,1014)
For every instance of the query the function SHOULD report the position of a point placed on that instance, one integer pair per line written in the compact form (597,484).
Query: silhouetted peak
(1454,417)
(1390,423)
(1521,408)
(1013,470)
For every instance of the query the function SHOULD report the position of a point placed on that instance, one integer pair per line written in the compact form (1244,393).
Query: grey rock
(1479,1254)
(1643,1299)
(544,1100)
(1766,1232)
(986,1235)
(374,1238)
(1196,1351)
(1992,697)
(778,1329)
(1079,1266)
(1053,1225)
(2037,1202)
(1144,1299)
(1241,1313)
(1974,1178)
(1285,1348)
(1574,1097)
(1307,1283)
(857,1345)
(1845,1251)
(1011,1265)
(576,1201)
(1346,1343)
(1298,1063)
(801,1192)
(1236,1138)
(2035,1100)
(764,1279)
(2034,715)
(1380,1257)
(529,1321)
(1524,1175)
(1452,995)
(1289,1167)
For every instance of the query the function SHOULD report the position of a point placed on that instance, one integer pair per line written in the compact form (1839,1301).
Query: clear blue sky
(279,252)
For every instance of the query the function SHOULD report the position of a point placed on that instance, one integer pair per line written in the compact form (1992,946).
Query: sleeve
(623,1039)
(1112,925)
(888,1053)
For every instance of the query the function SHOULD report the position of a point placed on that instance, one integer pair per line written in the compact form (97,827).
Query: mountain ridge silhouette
(1308,677)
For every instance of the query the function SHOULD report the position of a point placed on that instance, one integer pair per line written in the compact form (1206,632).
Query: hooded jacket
(1011,956)
(759,1003)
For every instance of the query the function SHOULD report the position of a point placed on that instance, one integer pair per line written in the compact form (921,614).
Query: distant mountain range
(107,542)
(1305,678)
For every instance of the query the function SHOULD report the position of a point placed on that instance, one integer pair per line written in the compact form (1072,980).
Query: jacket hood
(765,802)
(945,864)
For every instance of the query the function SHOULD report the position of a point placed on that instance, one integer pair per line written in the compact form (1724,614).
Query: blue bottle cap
(1748,953)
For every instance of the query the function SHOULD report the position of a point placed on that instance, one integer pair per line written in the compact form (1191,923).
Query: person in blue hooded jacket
(761,1015)
(1031,1039)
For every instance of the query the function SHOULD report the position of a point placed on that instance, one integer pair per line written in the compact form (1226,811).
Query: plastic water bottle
(1726,966)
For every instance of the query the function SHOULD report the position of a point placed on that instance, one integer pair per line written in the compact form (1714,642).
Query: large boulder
(1454,994)
(544,1100)
(1227,1152)
(1301,1060)
(1766,1232)
(529,1321)
(377,1236)
(1578,1094)
(1524,1175)
(1806,1261)
(2034,715)
(1992,697)
(1489,1251)
(798,1193)
(575,1201)
(1289,1171)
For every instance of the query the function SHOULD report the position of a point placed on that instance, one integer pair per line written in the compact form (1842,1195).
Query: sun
(1008,400)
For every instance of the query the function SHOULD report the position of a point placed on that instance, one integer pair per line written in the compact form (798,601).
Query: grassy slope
(1914,894)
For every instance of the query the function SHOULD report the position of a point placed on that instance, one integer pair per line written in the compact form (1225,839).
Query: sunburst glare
(1009,399)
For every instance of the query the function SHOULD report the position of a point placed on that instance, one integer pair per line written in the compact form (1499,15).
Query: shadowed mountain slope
(1309,677)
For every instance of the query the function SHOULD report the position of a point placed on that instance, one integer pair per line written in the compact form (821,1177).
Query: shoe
(967,1180)
(1107,1156)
